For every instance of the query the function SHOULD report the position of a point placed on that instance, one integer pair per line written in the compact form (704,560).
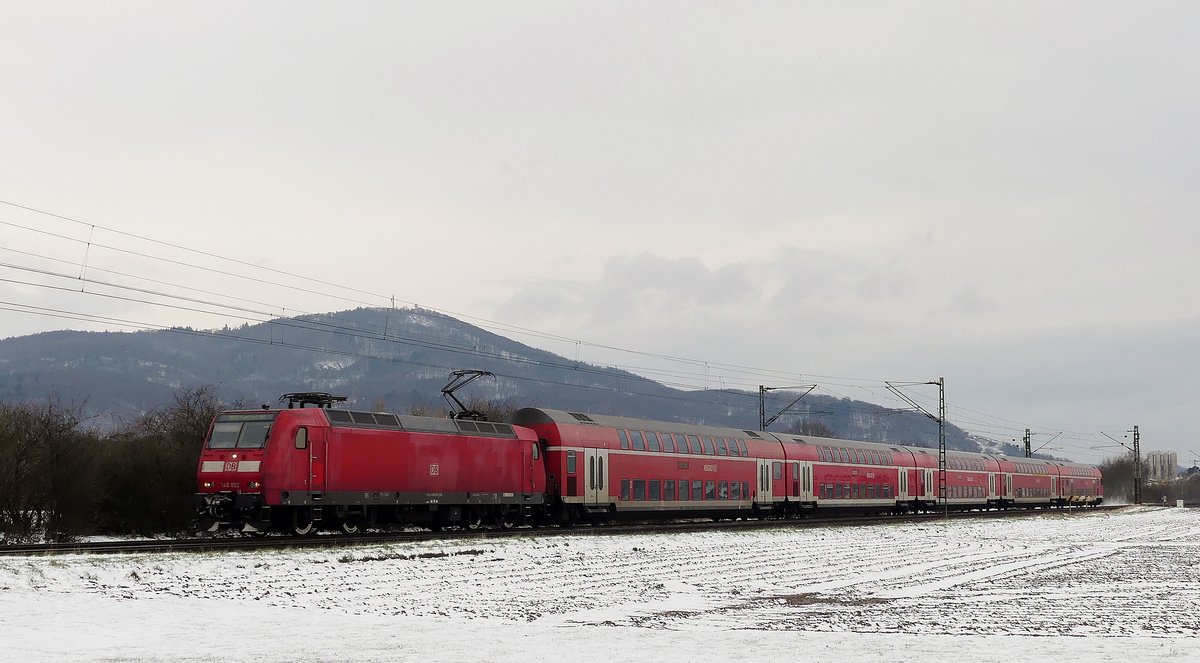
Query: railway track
(222,543)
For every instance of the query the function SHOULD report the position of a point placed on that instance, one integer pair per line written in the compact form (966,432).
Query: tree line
(60,479)
(1118,484)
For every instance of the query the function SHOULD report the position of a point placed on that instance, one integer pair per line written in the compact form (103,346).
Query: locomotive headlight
(207,484)
(253,484)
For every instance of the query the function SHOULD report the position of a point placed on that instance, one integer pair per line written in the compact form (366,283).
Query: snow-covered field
(1120,586)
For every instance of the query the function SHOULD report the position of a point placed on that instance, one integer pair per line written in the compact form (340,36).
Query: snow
(1108,586)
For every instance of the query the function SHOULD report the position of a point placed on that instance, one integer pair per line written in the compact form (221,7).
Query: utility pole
(763,421)
(1137,461)
(941,421)
(1137,466)
(1028,453)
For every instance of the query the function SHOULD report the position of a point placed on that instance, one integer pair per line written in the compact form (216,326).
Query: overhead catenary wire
(731,370)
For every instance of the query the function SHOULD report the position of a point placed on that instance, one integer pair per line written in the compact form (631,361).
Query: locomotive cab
(231,478)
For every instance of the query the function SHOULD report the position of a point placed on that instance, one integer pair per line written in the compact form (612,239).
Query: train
(309,465)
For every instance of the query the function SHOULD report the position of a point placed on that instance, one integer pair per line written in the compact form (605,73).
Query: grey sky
(1000,193)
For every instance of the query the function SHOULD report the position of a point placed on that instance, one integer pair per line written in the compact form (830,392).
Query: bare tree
(812,428)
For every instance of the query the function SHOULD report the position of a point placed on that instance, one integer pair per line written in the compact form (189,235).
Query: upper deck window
(241,431)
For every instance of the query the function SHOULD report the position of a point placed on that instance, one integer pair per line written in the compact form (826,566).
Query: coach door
(929,485)
(765,493)
(806,482)
(595,483)
(902,485)
(992,485)
(316,461)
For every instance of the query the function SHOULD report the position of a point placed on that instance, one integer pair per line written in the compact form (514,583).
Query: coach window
(669,489)
(777,470)
(652,442)
(721,449)
(736,488)
(742,446)
(862,457)
(624,439)
(795,471)
(723,490)
(600,476)
(708,447)
(571,462)
(681,443)
(625,489)
(635,438)
(302,438)
(710,490)
(653,487)
(682,487)
(639,489)
(697,490)
(667,442)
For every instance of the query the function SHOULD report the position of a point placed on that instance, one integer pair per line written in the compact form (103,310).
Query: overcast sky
(1001,193)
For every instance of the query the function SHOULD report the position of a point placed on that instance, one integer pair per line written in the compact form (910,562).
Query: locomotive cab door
(595,484)
(317,456)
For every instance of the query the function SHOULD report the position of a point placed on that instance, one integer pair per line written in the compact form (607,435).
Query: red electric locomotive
(303,468)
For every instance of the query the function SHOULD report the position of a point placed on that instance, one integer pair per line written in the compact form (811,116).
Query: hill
(391,359)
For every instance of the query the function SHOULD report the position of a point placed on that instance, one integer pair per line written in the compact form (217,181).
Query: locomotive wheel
(474,519)
(302,522)
(351,527)
(507,519)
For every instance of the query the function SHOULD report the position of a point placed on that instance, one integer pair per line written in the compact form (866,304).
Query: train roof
(389,421)
(530,416)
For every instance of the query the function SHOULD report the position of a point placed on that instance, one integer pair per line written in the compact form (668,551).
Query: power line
(750,374)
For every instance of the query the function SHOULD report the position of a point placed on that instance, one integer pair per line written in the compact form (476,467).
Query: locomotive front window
(240,431)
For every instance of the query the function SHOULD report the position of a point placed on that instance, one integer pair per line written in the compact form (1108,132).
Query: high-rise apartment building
(1162,465)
